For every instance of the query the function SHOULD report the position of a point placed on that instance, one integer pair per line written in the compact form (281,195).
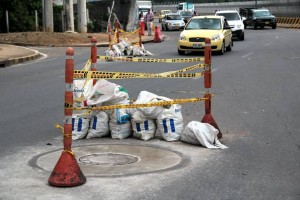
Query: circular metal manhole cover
(108,159)
(115,160)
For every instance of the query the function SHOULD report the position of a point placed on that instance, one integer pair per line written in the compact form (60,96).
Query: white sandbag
(137,51)
(119,116)
(170,123)
(104,91)
(109,53)
(142,127)
(116,51)
(80,127)
(144,130)
(81,90)
(202,133)
(119,131)
(98,126)
(146,97)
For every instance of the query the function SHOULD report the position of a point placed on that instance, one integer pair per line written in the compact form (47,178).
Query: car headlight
(169,24)
(182,23)
(182,37)
(216,37)
(239,26)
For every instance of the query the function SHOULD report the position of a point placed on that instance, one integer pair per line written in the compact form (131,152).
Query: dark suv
(258,18)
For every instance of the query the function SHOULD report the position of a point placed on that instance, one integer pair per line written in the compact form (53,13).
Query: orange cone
(158,37)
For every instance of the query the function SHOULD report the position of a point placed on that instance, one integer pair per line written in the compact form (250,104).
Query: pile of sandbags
(143,122)
(125,48)
(100,123)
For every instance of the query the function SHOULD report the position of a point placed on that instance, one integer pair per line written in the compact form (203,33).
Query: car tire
(181,52)
(274,26)
(167,29)
(255,26)
(242,37)
(228,48)
(223,49)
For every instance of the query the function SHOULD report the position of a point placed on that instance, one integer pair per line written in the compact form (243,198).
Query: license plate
(197,46)
(175,27)
(267,22)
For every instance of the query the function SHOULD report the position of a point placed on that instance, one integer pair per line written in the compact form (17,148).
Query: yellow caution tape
(79,74)
(151,104)
(154,60)
(59,127)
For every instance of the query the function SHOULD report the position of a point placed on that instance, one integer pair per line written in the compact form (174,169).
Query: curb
(21,59)
(37,54)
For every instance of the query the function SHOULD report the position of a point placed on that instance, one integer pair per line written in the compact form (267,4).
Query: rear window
(261,13)
(230,16)
(174,17)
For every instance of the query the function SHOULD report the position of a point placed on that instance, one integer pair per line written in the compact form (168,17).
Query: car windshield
(230,16)
(174,17)
(186,13)
(203,23)
(261,13)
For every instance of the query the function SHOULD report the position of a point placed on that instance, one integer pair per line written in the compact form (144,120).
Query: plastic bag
(170,123)
(202,133)
(98,126)
(142,127)
(80,127)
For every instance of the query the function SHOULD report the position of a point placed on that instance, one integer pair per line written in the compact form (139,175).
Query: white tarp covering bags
(203,134)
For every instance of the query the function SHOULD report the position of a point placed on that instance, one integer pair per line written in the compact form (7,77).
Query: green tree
(21,14)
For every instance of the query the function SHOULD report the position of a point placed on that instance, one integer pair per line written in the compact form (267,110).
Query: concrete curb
(37,54)
(13,61)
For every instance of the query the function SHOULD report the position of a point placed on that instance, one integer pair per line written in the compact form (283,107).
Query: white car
(235,22)
(172,21)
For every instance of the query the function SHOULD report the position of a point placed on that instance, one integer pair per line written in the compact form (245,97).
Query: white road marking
(247,55)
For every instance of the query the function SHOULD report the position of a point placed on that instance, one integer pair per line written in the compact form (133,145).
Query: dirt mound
(51,39)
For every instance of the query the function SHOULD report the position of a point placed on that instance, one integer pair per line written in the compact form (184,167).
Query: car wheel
(274,26)
(228,48)
(167,28)
(242,37)
(181,52)
(222,51)
(255,26)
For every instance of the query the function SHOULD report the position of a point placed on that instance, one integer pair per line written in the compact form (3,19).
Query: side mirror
(227,27)
(243,18)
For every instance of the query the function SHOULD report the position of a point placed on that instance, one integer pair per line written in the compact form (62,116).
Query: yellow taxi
(192,38)
(162,14)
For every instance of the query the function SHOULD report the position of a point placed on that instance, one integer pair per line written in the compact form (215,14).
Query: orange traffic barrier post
(67,172)
(157,35)
(207,62)
(94,56)
(117,29)
(109,35)
(208,118)
(140,33)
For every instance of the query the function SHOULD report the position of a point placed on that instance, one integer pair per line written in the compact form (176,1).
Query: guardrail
(288,22)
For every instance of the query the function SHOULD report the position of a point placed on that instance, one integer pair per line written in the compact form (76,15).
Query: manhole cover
(108,159)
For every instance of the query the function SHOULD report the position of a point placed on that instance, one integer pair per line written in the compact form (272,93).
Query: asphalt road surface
(256,104)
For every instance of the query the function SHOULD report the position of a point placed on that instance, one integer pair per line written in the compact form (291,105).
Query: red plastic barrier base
(66,172)
(208,118)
